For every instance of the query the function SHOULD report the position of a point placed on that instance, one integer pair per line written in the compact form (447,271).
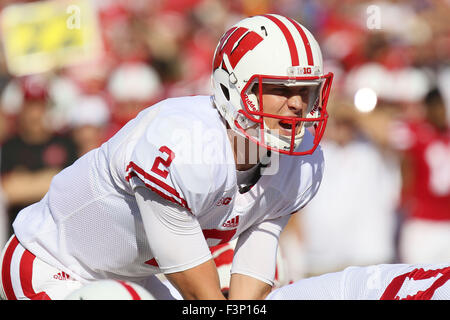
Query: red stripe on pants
(6,269)
(26,277)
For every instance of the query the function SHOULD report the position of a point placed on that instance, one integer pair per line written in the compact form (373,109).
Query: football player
(376,282)
(187,174)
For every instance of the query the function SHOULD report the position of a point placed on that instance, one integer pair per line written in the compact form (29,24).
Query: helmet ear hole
(225,91)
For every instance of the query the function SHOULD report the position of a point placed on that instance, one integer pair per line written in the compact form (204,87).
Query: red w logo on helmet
(227,45)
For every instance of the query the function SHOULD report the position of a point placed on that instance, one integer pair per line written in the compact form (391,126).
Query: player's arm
(199,282)
(179,247)
(254,262)
(244,287)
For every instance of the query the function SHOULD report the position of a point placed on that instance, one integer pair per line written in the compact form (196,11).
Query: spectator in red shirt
(425,152)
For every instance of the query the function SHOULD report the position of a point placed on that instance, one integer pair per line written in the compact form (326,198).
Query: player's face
(284,101)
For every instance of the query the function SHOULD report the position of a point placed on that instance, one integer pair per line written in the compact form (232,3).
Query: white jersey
(375,282)
(89,223)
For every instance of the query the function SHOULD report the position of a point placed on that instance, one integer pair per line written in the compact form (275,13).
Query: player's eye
(277,91)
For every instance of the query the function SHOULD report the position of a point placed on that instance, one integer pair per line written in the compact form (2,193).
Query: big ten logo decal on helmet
(235,50)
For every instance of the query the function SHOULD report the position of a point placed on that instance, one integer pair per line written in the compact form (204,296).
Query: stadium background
(73,72)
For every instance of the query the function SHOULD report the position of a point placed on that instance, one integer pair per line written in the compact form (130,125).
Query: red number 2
(165,162)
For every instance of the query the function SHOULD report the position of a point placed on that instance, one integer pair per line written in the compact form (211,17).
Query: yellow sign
(41,36)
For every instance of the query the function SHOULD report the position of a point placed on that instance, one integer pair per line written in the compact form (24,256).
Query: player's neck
(246,153)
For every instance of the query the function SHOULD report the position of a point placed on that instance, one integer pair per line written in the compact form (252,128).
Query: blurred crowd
(372,207)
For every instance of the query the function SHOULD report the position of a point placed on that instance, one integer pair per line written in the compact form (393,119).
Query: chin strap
(263,163)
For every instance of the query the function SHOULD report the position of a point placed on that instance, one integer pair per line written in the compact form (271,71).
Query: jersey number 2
(164,162)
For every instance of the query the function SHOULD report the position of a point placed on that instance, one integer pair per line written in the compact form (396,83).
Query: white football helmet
(111,290)
(270,49)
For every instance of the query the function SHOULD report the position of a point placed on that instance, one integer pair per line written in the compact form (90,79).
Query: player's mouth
(286,127)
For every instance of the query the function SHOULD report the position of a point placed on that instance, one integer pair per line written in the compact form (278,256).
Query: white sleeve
(174,234)
(256,250)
